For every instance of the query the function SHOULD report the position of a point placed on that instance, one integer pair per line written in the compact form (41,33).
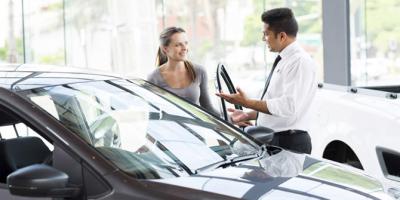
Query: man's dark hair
(281,20)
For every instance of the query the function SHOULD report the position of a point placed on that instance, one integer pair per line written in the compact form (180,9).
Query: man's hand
(239,98)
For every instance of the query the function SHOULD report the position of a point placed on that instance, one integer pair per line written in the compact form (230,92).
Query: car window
(8,132)
(21,130)
(20,146)
(46,100)
(145,131)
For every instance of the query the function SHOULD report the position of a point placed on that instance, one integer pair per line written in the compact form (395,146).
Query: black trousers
(294,140)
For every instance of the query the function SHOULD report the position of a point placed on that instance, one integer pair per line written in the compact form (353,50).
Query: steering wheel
(221,72)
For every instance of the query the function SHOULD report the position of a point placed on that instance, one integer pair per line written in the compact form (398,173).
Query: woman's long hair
(165,39)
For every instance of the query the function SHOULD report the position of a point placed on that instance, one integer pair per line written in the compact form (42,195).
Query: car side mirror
(262,134)
(40,180)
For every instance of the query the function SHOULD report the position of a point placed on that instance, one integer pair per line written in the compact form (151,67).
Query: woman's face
(178,47)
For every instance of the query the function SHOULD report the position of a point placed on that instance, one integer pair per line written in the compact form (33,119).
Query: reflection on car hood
(249,182)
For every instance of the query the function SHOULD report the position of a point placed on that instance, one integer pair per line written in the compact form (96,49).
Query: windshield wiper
(230,162)
(225,163)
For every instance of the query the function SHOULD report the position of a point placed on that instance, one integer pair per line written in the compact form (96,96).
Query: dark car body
(147,144)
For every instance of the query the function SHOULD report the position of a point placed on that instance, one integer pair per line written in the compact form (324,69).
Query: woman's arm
(205,101)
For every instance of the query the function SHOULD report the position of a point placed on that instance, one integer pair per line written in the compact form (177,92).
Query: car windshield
(144,130)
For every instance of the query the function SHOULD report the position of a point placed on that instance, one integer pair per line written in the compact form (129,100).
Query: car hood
(251,182)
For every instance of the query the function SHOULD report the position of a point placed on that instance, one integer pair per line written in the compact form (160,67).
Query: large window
(122,36)
(375,42)
(117,36)
(231,32)
(44,34)
(309,17)
(11,40)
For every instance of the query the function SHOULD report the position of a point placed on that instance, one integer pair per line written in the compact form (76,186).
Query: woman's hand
(238,116)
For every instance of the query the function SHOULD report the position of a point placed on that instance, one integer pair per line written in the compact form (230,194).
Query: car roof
(28,76)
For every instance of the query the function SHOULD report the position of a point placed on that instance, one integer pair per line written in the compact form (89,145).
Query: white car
(359,127)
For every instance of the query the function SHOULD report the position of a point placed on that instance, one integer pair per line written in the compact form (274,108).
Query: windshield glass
(144,130)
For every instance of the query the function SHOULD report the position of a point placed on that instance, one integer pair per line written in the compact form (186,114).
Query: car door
(223,83)
(13,132)
(29,137)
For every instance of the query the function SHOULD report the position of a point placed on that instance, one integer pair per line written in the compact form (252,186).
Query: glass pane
(141,130)
(8,132)
(25,131)
(374,42)
(44,31)
(231,32)
(309,17)
(11,41)
(217,33)
(117,36)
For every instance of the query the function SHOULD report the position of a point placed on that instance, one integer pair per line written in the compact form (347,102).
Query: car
(359,126)
(74,134)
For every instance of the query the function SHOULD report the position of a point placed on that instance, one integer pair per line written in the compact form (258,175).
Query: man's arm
(258,105)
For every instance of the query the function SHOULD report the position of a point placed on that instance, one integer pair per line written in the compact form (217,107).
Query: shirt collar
(289,50)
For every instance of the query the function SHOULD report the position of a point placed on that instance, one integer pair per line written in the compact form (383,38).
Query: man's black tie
(277,59)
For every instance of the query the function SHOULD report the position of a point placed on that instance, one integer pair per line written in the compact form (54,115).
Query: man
(291,85)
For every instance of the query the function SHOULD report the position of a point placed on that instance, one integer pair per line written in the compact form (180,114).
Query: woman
(175,73)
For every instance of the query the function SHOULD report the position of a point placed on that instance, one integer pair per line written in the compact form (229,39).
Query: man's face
(273,40)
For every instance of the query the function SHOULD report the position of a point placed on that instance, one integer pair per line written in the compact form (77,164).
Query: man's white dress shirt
(291,91)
